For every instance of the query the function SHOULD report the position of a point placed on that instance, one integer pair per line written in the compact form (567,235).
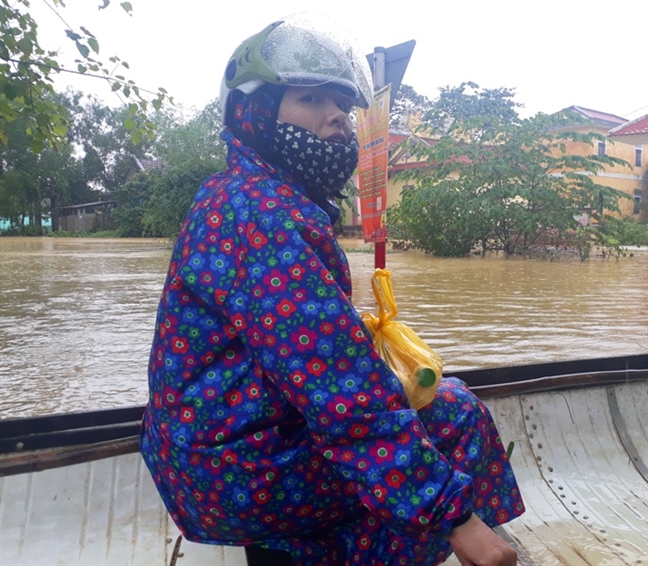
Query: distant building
(634,132)
(86,217)
(144,165)
(633,149)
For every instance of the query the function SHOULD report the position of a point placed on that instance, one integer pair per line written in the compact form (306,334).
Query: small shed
(85,217)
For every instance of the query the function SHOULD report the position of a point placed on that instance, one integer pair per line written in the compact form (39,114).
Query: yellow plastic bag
(417,366)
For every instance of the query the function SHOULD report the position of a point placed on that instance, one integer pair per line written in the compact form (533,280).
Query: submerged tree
(496,180)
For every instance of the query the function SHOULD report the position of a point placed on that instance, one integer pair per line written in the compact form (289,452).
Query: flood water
(77,315)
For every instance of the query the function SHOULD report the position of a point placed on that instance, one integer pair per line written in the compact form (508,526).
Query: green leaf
(87,32)
(10,91)
(72,35)
(127,91)
(25,45)
(127,7)
(130,124)
(81,68)
(94,44)
(4,52)
(37,145)
(106,3)
(133,108)
(115,86)
(60,130)
(125,64)
(83,49)
(136,137)
(51,63)
(43,120)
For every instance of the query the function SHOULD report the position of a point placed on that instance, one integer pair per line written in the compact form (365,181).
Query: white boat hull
(584,488)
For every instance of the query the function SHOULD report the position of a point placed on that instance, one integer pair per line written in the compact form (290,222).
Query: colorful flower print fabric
(271,418)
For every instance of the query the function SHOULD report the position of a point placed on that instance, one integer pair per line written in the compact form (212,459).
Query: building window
(637,202)
(601,148)
(637,156)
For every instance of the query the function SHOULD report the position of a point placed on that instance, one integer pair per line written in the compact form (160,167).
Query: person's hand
(475,544)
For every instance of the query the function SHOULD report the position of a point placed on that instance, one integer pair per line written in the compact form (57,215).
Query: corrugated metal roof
(598,117)
(149,164)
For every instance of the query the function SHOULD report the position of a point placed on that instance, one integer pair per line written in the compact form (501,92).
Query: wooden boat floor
(580,457)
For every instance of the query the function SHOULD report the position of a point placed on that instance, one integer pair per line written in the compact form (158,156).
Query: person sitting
(272,421)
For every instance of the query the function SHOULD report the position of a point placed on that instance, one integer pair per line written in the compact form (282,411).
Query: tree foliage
(154,204)
(27,72)
(96,158)
(407,109)
(31,184)
(98,163)
(495,180)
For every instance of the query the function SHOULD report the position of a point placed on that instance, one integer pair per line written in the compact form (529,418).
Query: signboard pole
(373,136)
(388,67)
(380,248)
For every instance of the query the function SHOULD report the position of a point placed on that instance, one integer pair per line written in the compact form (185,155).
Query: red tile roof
(633,127)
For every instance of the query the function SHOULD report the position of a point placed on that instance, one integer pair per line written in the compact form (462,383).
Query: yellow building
(399,161)
(630,179)
(635,134)
(629,144)
(624,140)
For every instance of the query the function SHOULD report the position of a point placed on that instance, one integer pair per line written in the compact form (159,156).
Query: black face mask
(322,167)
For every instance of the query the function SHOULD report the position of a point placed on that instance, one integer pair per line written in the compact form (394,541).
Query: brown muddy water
(77,315)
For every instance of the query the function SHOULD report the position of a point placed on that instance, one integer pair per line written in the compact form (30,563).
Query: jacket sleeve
(325,365)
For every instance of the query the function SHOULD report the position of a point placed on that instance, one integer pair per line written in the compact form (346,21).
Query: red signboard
(373,135)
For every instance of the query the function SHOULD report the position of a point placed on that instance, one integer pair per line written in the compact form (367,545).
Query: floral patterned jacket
(270,412)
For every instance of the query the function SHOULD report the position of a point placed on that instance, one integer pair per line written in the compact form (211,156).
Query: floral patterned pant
(462,429)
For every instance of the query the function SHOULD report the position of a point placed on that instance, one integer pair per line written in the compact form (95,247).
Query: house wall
(77,223)
(83,221)
(631,179)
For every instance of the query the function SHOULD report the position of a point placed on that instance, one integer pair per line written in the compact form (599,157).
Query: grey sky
(555,53)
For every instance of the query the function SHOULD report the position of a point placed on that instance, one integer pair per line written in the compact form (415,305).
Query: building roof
(598,118)
(88,205)
(632,132)
(149,164)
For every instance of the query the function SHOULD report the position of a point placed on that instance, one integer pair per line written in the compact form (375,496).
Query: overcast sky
(554,53)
